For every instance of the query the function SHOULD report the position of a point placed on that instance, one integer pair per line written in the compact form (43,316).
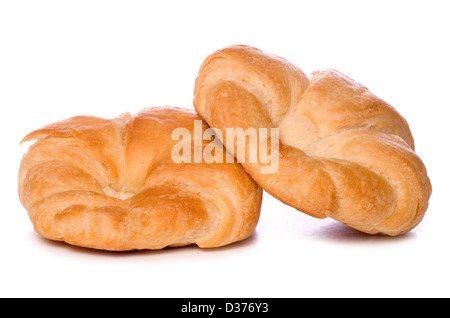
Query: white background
(65,58)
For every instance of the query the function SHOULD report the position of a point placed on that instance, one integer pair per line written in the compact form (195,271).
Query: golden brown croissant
(112,184)
(343,152)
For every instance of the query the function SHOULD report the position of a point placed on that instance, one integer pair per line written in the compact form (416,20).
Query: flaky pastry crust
(111,184)
(344,153)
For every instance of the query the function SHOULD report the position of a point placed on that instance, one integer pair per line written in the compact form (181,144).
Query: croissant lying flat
(343,153)
(111,184)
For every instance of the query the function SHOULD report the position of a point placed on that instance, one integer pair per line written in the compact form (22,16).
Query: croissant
(343,152)
(112,184)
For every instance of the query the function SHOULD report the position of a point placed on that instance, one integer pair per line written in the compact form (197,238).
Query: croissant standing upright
(343,152)
(112,184)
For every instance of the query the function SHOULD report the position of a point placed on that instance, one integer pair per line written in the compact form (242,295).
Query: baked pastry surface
(112,184)
(343,152)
